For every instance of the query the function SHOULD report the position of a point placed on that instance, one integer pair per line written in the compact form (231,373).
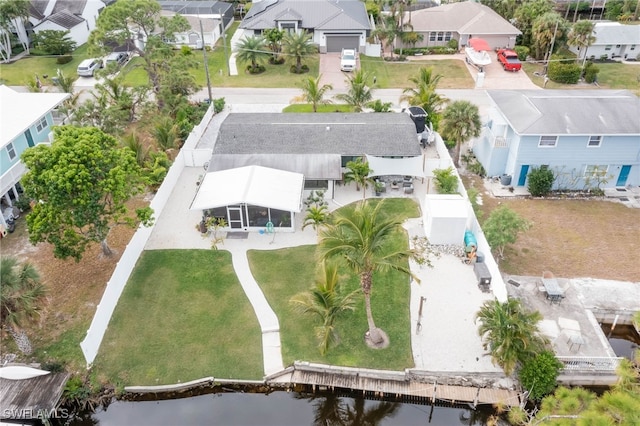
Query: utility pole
(224,42)
(206,64)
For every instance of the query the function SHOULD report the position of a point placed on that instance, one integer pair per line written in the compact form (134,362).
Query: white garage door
(335,43)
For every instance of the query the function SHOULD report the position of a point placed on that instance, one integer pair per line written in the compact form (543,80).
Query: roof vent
(328,128)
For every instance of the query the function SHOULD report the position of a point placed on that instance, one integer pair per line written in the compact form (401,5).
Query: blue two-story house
(589,138)
(25,121)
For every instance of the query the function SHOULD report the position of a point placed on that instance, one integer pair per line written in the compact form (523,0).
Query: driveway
(330,72)
(497,78)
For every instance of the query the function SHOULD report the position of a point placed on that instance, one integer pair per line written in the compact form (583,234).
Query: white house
(76,16)
(613,40)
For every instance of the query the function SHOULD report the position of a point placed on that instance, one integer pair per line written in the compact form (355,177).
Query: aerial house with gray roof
(297,152)
(589,138)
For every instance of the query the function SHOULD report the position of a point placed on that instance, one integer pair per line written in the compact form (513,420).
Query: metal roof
(464,17)
(616,33)
(19,111)
(380,134)
(313,14)
(569,112)
(202,7)
(65,19)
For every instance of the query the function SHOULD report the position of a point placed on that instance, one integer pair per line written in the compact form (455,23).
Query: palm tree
(166,133)
(254,50)
(364,239)
(460,122)
(316,217)
(358,94)
(297,46)
(21,293)
(379,106)
(581,36)
(358,172)
(547,31)
(424,94)
(509,332)
(326,301)
(313,92)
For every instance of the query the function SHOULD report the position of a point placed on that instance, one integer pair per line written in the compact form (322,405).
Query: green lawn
(396,74)
(18,73)
(284,273)
(183,315)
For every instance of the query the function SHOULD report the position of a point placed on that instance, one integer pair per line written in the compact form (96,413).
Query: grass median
(182,316)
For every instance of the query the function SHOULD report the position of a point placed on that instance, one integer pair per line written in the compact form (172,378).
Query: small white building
(613,40)
(76,16)
(445,218)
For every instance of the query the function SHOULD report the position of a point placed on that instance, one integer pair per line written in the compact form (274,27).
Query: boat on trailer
(477,53)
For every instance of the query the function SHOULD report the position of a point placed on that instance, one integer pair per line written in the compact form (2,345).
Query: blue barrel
(470,239)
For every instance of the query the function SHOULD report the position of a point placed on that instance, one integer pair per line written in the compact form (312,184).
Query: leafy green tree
(460,122)
(327,301)
(359,94)
(502,228)
(82,182)
(316,217)
(313,92)
(273,37)
(358,171)
(504,8)
(13,16)
(540,181)
(549,31)
(538,375)
(424,94)
(140,19)
(253,49)
(509,333)
(364,240)
(298,46)
(21,294)
(54,42)
(526,14)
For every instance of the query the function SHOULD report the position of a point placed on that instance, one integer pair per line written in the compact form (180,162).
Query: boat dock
(31,399)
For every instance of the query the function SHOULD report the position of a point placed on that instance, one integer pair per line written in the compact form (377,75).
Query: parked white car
(88,67)
(348,60)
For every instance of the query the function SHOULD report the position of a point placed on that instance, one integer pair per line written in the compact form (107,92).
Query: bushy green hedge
(591,72)
(540,181)
(432,50)
(522,51)
(566,72)
(64,59)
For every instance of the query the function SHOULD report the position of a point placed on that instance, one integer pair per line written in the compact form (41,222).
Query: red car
(509,60)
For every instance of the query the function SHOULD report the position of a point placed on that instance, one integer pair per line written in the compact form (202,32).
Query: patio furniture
(408,189)
(575,339)
(552,288)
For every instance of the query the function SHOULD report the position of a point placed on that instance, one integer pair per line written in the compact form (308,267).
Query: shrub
(446,181)
(278,61)
(64,59)
(218,105)
(522,51)
(540,181)
(452,44)
(54,42)
(303,69)
(259,69)
(431,50)
(591,72)
(539,374)
(562,72)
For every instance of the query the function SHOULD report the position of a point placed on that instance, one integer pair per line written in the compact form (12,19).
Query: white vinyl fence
(122,272)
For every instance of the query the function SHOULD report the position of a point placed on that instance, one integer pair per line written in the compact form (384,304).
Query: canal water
(624,339)
(279,409)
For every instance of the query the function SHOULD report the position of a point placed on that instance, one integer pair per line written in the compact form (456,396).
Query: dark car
(119,58)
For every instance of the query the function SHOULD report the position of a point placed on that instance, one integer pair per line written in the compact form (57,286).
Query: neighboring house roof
(203,7)
(380,134)
(37,8)
(19,111)
(75,7)
(313,14)
(465,18)
(616,33)
(569,112)
(65,19)
(208,24)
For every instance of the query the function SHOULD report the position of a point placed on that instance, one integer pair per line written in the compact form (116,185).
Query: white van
(88,67)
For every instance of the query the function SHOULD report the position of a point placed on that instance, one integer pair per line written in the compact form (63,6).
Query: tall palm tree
(424,94)
(359,94)
(509,332)
(460,122)
(254,50)
(326,301)
(298,46)
(21,293)
(581,36)
(364,239)
(313,92)
(547,32)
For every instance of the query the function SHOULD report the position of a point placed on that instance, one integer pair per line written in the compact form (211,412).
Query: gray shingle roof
(65,19)
(570,112)
(75,7)
(315,14)
(37,8)
(616,33)
(381,134)
(204,7)
(465,18)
